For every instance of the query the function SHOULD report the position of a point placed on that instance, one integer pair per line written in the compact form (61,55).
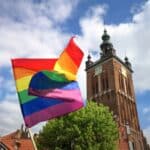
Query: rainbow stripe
(69,61)
(46,87)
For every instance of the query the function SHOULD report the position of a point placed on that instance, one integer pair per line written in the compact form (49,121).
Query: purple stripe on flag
(52,112)
(58,93)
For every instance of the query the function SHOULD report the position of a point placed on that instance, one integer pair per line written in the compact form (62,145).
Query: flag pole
(31,135)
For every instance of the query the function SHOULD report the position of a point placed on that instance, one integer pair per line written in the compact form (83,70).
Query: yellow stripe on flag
(68,75)
(23,83)
(66,65)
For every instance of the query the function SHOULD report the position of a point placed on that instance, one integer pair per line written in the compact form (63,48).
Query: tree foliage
(91,128)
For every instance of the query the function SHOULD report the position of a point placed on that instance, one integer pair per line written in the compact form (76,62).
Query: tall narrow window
(102,82)
(106,81)
(131,146)
(95,85)
(122,82)
(99,84)
(129,87)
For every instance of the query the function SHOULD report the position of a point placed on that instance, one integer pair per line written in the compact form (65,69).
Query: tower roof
(106,39)
(106,46)
(105,36)
(107,52)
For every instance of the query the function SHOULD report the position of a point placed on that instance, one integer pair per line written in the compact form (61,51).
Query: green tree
(91,128)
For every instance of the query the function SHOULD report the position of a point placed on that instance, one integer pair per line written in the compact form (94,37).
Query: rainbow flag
(47,88)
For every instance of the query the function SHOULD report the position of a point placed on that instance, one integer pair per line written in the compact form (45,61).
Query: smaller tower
(89,62)
(128,64)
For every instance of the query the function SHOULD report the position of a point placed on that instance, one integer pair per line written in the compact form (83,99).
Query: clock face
(98,69)
(123,71)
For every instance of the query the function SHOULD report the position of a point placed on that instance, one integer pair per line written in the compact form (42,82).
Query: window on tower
(104,81)
(121,82)
(129,87)
(131,145)
(95,85)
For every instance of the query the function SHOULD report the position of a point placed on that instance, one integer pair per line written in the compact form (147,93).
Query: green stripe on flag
(25,97)
(56,76)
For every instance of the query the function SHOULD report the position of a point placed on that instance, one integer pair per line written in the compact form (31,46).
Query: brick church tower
(109,81)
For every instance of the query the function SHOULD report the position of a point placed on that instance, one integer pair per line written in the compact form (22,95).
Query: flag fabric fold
(69,61)
(47,88)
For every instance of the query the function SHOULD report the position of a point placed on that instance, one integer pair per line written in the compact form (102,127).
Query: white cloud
(59,10)
(29,28)
(91,28)
(20,42)
(146,132)
(10,114)
(29,10)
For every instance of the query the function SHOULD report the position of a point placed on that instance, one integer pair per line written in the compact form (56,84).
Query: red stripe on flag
(74,52)
(34,64)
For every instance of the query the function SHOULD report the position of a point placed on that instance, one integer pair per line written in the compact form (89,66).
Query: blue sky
(42,28)
(117,12)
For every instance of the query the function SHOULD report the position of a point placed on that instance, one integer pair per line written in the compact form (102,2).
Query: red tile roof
(12,139)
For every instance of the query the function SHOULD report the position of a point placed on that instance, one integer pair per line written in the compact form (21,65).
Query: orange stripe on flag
(69,61)
(22,72)
(66,64)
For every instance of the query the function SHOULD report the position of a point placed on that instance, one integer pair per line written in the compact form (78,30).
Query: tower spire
(106,46)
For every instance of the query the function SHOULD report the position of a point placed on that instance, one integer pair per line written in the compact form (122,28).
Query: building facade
(109,81)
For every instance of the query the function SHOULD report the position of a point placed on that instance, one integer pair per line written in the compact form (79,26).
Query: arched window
(120,82)
(129,87)
(102,83)
(95,85)
(106,81)
(131,145)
